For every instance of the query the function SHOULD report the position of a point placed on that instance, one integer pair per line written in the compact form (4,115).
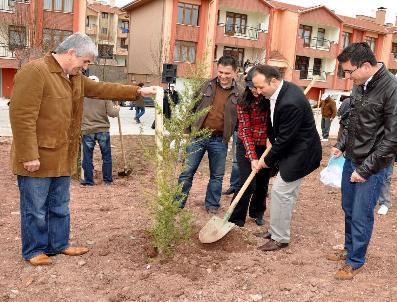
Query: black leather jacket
(370,140)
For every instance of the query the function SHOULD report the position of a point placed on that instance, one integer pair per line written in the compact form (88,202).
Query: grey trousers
(385,196)
(283,198)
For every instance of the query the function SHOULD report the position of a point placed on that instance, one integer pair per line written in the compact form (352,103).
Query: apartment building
(28,28)
(302,42)
(108,27)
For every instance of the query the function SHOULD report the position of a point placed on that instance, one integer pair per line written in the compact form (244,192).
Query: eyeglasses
(350,72)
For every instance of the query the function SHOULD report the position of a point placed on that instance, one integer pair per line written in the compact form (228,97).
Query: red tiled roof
(104,8)
(285,6)
(363,24)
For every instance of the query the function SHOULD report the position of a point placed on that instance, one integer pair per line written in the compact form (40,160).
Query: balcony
(392,61)
(304,77)
(5,52)
(315,47)
(122,51)
(122,32)
(91,30)
(5,6)
(247,37)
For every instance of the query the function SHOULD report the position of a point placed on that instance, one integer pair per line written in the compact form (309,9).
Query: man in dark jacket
(296,149)
(328,113)
(370,144)
(221,93)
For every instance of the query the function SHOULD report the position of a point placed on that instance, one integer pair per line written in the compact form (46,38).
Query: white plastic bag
(332,174)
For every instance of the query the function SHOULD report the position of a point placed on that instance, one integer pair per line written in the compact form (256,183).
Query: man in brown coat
(328,113)
(45,113)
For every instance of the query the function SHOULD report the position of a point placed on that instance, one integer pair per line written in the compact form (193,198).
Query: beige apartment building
(108,27)
(301,41)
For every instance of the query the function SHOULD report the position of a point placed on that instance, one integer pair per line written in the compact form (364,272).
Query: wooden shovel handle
(245,186)
(121,142)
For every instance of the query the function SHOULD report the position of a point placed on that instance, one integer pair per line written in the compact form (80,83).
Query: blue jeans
(139,111)
(89,141)
(45,216)
(235,175)
(358,203)
(217,152)
(325,126)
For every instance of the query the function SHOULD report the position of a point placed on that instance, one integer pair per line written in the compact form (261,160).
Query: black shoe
(229,191)
(212,210)
(259,221)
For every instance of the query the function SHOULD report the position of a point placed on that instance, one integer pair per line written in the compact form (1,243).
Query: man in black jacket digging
(296,149)
(370,145)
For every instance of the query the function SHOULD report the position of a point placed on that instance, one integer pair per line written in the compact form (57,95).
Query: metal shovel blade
(215,229)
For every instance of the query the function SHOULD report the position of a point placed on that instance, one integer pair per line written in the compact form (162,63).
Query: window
(185,51)
(371,42)
(87,21)
(394,50)
(320,37)
(188,14)
(104,30)
(105,51)
(317,66)
(65,6)
(345,39)
(123,43)
(104,15)
(305,33)
(237,53)
(17,37)
(235,23)
(53,37)
(302,64)
(125,27)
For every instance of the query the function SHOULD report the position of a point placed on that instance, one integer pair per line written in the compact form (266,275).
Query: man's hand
(357,177)
(32,166)
(147,91)
(336,152)
(257,165)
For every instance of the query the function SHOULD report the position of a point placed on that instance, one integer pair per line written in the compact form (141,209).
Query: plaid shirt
(252,127)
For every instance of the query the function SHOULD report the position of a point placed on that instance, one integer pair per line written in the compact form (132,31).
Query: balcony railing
(239,31)
(5,52)
(317,43)
(308,74)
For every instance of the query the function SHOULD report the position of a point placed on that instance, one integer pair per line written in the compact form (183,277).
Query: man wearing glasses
(369,144)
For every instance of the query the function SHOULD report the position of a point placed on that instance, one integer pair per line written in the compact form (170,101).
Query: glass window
(188,14)
(371,42)
(235,23)
(47,4)
(237,53)
(394,50)
(345,39)
(17,37)
(68,6)
(58,5)
(185,51)
(105,15)
(53,37)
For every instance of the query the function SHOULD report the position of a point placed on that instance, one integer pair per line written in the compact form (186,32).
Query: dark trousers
(254,197)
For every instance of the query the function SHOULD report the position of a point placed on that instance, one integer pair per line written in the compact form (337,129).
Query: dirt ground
(114,222)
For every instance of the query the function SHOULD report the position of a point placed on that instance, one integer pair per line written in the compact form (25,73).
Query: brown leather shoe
(337,255)
(41,259)
(272,245)
(75,251)
(346,272)
(265,235)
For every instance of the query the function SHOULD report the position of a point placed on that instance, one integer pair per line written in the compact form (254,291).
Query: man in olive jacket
(370,144)
(221,93)
(45,113)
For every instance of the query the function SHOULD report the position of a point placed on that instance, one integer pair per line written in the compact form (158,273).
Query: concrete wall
(145,40)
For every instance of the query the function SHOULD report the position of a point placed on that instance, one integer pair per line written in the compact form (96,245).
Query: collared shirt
(252,127)
(273,100)
(366,82)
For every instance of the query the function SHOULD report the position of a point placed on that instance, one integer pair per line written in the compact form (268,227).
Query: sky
(345,7)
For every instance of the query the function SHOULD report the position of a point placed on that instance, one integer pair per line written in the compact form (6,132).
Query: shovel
(216,228)
(125,171)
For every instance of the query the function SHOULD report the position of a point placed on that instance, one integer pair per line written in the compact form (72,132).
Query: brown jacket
(46,112)
(328,108)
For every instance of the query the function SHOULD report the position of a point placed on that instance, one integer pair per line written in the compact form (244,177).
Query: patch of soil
(115,221)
